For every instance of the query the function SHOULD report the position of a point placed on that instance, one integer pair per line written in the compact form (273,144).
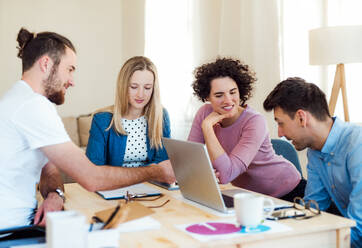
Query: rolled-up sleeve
(237,162)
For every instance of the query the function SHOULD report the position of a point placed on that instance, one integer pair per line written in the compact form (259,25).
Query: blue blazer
(108,147)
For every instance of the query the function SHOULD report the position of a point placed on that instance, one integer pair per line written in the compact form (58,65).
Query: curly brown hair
(241,73)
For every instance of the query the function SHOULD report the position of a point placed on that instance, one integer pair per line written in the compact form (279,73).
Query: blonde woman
(129,133)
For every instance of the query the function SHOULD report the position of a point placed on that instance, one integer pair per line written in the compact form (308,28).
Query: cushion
(70,125)
(84,125)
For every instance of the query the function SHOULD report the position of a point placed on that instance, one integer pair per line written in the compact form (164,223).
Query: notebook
(137,190)
(28,238)
(195,175)
(21,229)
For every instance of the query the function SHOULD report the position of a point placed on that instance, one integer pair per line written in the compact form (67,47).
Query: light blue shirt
(335,173)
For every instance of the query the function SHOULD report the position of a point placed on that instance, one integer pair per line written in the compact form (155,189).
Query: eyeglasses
(128,198)
(300,210)
(140,197)
(311,205)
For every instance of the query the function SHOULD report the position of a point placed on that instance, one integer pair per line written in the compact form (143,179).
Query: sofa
(78,129)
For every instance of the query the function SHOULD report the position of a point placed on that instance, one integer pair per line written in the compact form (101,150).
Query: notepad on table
(137,190)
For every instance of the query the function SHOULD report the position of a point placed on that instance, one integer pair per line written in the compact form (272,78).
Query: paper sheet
(141,224)
(227,229)
(29,246)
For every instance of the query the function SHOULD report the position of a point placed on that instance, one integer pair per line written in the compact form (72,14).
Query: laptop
(195,175)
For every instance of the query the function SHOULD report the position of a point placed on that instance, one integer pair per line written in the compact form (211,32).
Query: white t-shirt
(28,121)
(136,147)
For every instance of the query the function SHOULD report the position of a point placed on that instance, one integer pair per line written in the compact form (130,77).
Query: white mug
(250,209)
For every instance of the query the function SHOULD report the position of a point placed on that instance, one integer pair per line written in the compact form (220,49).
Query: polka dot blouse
(136,147)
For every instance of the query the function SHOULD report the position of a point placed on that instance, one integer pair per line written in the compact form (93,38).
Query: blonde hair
(153,111)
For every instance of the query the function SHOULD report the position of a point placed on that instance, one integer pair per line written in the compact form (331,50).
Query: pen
(282,207)
(210,227)
(112,216)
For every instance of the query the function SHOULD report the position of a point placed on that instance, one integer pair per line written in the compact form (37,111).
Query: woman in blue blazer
(129,133)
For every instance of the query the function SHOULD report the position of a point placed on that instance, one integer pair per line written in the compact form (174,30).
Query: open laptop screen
(194,173)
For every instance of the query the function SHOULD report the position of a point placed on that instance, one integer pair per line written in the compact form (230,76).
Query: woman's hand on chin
(213,119)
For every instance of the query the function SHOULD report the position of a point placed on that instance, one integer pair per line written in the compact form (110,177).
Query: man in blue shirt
(335,154)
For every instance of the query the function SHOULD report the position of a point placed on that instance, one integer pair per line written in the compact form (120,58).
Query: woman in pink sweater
(236,136)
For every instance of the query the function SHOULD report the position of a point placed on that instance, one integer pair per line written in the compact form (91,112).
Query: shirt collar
(25,84)
(334,136)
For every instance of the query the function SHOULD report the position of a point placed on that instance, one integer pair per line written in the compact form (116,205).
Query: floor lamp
(336,45)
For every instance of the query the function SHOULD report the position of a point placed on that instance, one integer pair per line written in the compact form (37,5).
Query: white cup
(250,209)
(66,229)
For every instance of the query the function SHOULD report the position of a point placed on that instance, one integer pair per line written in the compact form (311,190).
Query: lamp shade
(335,45)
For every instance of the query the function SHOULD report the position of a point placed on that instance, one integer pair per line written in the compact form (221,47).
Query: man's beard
(299,147)
(301,144)
(51,87)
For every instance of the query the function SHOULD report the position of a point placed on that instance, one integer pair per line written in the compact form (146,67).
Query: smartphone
(286,214)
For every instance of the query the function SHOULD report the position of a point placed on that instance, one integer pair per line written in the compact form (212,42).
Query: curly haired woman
(236,136)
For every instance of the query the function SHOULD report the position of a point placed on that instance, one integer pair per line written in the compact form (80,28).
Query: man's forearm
(74,163)
(111,177)
(105,177)
(50,180)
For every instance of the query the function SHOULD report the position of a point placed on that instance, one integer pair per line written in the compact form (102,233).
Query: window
(297,18)
(168,43)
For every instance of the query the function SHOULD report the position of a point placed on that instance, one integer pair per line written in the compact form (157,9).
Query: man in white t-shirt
(34,143)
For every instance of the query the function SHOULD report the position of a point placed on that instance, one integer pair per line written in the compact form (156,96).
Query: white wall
(133,18)
(106,33)
(94,27)
(250,31)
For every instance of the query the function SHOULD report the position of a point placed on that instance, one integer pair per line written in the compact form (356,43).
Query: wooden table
(325,230)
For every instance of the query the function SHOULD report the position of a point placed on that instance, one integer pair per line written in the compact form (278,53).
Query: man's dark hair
(241,73)
(295,93)
(32,46)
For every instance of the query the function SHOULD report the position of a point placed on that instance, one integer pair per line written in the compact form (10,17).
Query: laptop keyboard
(228,200)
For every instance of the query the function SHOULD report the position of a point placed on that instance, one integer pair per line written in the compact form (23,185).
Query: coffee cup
(251,209)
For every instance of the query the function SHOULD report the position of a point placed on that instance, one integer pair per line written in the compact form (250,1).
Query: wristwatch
(60,193)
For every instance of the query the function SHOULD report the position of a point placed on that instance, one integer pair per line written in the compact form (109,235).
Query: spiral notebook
(137,190)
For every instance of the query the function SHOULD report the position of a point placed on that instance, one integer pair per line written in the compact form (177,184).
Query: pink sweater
(249,160)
